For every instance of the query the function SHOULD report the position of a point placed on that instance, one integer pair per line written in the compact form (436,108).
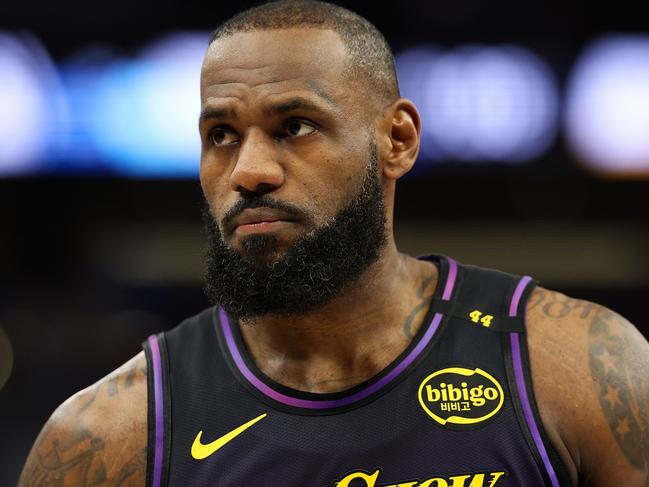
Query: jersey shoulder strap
(497,301)
(191,335)
(488,298)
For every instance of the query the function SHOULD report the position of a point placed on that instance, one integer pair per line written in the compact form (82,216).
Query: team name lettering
(489,479)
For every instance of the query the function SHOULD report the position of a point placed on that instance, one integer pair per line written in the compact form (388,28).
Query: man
(330,358)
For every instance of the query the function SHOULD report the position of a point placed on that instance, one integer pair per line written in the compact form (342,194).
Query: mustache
(261,202)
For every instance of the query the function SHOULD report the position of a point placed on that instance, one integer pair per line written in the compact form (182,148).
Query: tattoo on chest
(619,371)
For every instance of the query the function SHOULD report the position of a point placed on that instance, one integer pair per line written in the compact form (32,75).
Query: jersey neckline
(286,398)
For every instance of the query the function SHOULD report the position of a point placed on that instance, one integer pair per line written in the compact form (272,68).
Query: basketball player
(329,357)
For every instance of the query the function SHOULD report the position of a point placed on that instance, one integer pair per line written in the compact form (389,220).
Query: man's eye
(297,128)
(223,136)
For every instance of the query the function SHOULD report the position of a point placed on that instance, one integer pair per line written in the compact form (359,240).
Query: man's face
(279,120)
(288,169)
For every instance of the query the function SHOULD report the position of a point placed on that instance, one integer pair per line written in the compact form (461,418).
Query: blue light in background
(607,106)
(33,112)
(137,116)
(413,71)
(81,75)
(482,103)
(141,115)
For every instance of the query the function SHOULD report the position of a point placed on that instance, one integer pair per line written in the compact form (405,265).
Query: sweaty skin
(297,127)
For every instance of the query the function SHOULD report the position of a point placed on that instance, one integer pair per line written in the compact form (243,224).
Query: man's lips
(257,220)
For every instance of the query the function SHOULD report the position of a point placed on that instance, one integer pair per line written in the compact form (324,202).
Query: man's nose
(257,168)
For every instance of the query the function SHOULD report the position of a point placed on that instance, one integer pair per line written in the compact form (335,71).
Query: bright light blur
(32,111)
(607,106)
(103,113)
(481,103)
(143,114)
(413,67)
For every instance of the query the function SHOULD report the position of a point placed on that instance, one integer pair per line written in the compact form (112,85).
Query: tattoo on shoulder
(115,383)
(556,305)
(620,369)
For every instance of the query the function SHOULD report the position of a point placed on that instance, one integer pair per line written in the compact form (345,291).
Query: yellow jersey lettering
(370,480)
(459,480)
(495,477)
(464,480)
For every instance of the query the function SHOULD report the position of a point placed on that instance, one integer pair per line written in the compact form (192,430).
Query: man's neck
(352,338)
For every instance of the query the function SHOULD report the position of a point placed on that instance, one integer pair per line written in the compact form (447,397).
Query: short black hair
(370,58)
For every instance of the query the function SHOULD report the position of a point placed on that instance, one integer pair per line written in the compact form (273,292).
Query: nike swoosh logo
(201,452)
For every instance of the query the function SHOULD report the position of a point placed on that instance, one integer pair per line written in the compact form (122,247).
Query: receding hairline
(369,58)
(231,34)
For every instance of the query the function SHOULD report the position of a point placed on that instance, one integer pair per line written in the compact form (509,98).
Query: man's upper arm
(619,365)
(590,369)
(97,437)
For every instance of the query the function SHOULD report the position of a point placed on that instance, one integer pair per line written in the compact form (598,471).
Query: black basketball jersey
(455,409)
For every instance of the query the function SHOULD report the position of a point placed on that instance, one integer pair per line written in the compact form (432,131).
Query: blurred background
(535,160)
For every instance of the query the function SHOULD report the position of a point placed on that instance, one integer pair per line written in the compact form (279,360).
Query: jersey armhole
(517,365)
(158,411)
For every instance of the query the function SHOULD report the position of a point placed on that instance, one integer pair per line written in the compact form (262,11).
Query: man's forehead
(278,55)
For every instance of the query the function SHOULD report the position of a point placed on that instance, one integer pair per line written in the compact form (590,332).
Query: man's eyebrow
(321,92)
(220,113)
(297,103)
(281,108)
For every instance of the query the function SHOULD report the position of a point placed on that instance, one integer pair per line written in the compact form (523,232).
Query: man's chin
(262,250)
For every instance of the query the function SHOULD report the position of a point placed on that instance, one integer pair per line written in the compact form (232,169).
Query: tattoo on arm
(135,466)
(72,460)
(84,468)
(70,451)
(620,369)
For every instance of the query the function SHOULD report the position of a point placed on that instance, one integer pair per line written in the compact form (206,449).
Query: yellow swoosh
(200,451)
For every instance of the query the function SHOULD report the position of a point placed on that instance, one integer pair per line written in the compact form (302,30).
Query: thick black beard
(314,269)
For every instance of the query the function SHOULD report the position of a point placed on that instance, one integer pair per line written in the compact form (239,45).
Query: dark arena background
(535,160)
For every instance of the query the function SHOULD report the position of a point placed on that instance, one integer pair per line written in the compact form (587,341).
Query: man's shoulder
(98,434)
(590,369)
(560,327)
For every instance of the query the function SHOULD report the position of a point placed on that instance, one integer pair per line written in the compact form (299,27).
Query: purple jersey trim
(357,396)
(522,389)
(450,280)
(159,424)
(518,292)
(322,404)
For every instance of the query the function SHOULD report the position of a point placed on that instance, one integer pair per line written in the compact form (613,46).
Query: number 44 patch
(479,317)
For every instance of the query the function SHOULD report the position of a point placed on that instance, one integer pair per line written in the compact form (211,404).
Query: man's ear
(403,128)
